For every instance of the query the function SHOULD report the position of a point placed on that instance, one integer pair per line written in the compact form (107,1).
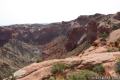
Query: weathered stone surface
(92,31)
(74,35)
(38,71)
(20,44)
(114,36)
(78,35)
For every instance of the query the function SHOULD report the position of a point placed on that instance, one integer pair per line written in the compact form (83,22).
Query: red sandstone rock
(38,71)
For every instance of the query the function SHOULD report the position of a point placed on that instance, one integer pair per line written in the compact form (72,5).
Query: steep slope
(5,35)
(16,54)
(54,49)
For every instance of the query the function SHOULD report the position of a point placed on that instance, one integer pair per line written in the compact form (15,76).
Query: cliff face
(21,45)
(5,35)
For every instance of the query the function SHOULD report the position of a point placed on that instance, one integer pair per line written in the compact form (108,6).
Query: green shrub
(52,78)
(99,69)
(115,26)
(81,75)
(117,66)
(38,60)
(104,35)
(58,68)
(112,49)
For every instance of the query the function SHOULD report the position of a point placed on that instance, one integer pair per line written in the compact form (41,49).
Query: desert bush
(109,50)
(112,49)
(58,68)
(104,35)
(81,75)
(115,26)
(99,69)
(52,78)
(39,60)
(117,66)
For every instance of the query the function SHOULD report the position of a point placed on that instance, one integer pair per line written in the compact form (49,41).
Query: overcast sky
(47,11)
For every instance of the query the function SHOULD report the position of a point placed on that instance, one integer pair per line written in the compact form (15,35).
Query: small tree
(81,75)
(58,68)
(112,49)
(104,35)
(115,26)
(99,69)
(52,78)
(117,66)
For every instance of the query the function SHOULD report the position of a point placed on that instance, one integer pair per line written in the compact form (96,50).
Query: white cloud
(46,11)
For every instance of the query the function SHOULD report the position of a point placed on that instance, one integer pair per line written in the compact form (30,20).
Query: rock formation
(82,43)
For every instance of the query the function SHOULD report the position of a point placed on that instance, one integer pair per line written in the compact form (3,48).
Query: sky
(48,11)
